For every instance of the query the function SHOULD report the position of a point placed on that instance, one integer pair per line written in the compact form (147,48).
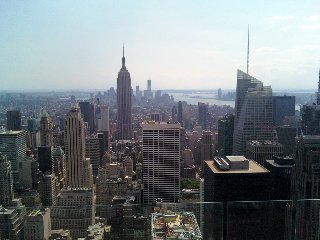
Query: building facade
(161,161)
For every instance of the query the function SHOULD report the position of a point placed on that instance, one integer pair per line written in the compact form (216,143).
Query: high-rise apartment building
(161,161)
(124,105)
(14,120)
(79,170)
(13,145)
(253,112)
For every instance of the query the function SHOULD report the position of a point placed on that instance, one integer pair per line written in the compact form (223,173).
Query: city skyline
(68,46)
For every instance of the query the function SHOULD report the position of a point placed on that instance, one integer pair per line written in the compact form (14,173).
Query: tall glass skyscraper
(253,112)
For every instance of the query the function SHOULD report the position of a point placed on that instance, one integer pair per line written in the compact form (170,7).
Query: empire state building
(124,105)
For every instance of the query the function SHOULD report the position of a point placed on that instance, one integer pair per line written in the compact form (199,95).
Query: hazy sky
(178,44)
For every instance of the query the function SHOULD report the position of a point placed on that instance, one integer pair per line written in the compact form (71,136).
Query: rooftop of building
(152,124)
(311,138)
(9,132)
(174,225)
(264,143)
(253,167)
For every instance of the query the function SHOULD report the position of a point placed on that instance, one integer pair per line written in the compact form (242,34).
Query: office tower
(37,225)
(26,168)
(103,144)
(103,128)
(282,107)
(305,180)
(206,146)
(225,135)
(88,113)
(12,212)
(260,151)
(93,152)
(103,119)
(49,189)
(286,136)
(157,95)
(79,170)
(13,145)
(75,211)
(280,168)
(235,178)
(11,222)
(14,120)
(75,205)
(310,123)
(174,114)
(187,158)
(45,159)
(161,161)
(32,125)
(155,117)
(149,85)
(46,130)
(124,105)
(203,115)
(180,113)
(219,93)
(73,99)
(59,166)
(253,112)
(6,181)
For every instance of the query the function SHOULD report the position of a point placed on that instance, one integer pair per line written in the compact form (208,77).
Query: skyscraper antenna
(318,93)
(123,50)
(248,53)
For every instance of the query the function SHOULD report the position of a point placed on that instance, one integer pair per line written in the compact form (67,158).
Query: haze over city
(56,45)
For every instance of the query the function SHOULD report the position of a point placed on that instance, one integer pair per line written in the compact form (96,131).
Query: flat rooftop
(175,225)
(253,167)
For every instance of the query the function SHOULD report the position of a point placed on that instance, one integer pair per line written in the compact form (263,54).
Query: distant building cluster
(140,165)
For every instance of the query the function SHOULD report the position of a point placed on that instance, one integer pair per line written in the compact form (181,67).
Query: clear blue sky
(178,44)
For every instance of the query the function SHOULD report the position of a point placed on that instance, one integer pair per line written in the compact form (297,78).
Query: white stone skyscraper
(161,161)
(253,112)
(79,170)
(124,104)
